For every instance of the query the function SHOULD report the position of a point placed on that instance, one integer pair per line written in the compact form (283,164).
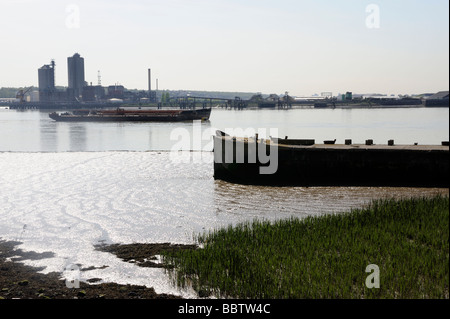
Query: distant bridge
(189,102)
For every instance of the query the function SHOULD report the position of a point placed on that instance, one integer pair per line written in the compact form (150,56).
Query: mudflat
(18,281)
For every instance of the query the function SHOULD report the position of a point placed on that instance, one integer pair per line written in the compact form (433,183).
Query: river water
(65,187)
(34,131)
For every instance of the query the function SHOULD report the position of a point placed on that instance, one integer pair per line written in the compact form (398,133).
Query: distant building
(440,99)
(273,98)
(116,92)
(442,95)
(93,93)
(46,76)
(34,96)
(75,66)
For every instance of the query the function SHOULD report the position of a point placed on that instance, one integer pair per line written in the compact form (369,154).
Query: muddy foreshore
(18,281)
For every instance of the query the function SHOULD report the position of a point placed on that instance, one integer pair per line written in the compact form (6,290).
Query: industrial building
(440,99)
(94,93)
(116,91)
(47,82)
(78,89)
(47,77)
(75,67)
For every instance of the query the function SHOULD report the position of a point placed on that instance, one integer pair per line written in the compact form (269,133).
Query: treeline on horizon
(8,93)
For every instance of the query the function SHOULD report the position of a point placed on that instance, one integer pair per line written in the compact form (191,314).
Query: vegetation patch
(325,256)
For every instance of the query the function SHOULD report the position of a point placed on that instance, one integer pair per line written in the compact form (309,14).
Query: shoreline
(18,281)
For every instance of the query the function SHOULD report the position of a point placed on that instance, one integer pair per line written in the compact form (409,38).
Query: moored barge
(122,115)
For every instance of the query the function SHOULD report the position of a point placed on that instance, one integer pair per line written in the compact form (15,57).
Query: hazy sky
(268,46)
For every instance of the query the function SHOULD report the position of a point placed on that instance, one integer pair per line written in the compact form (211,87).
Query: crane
(21,94)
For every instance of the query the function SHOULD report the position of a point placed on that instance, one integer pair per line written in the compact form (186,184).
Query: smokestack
(149,82)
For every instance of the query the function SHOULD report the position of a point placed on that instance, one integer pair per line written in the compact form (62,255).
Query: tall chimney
(149,82)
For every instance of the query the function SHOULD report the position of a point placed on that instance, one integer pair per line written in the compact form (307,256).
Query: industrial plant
(80,91)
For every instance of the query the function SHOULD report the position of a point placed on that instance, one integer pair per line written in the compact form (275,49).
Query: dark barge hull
(337,165)
(135,116)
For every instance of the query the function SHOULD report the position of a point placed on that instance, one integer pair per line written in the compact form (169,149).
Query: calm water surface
(34,131)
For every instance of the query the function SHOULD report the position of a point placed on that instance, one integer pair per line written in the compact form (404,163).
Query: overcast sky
(268,46)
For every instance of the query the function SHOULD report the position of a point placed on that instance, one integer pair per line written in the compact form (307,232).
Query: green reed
(325,256)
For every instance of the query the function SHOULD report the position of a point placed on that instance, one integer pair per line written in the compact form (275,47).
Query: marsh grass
(325,256)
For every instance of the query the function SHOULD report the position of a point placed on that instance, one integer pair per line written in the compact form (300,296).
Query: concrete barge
(279,162)
(122,115)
